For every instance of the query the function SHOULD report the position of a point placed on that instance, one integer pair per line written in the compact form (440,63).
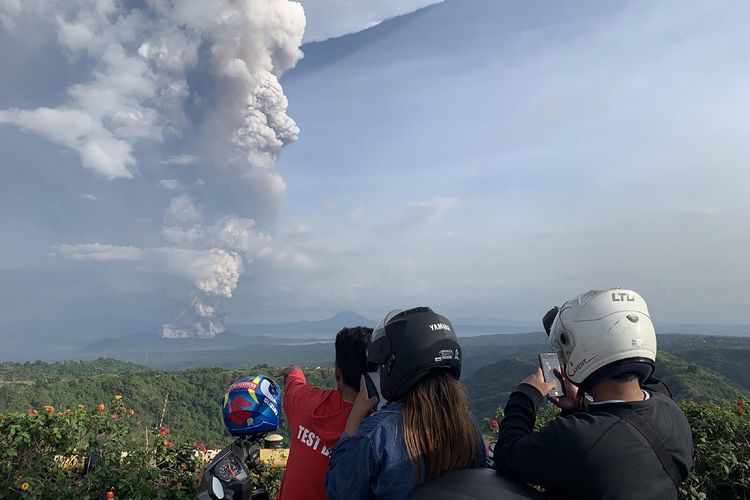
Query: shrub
(721,439)
(42,456)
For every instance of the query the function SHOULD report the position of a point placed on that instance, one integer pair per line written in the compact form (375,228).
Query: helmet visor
(379,346)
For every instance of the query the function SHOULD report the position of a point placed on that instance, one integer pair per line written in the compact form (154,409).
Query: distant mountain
(112,337)
(39,370)
(154,343)
(701,329)
(327,327)
(53,339)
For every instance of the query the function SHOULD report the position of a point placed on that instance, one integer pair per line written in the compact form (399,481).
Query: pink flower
(494,424)
(741,403)
(110,495)
(164,431)
(115,417)
(200,446)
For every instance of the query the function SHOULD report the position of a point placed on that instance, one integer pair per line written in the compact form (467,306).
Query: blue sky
(487,158)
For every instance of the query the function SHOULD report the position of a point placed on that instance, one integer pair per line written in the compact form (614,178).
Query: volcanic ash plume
(141,54)
(214,270)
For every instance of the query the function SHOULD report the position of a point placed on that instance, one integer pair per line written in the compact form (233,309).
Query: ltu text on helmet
(439,326)
(622,297)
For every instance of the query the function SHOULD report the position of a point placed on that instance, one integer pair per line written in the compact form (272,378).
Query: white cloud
(169,184)
(89,196)
(184,236)
(100,252)
(332,18)
(98,148)
(182,209)
(356,213)
(435,209)
(9,10)
(294,259)
(138,87)
(181,160)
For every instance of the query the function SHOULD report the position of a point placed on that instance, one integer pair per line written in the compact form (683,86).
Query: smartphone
(372,391)
(549,363)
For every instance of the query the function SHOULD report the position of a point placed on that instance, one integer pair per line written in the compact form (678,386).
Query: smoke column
(141,53)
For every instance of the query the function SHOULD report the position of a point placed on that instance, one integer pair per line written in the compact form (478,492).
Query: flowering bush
(721,437)
(91,454)
(101,453)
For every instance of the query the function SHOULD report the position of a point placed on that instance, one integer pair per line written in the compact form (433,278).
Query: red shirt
(316,420)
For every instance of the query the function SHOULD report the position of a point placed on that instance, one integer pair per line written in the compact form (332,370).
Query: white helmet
(604,333)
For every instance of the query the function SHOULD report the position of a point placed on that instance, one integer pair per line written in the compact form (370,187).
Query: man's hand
(536,380)
(570,401)
(286,371)
(363,406)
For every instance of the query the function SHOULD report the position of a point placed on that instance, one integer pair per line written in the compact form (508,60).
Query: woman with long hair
(425,430)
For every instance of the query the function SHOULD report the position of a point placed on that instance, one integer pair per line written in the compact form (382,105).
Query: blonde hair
(438,429)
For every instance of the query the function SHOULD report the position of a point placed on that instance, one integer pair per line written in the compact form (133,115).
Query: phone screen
(549,363)
(372,390)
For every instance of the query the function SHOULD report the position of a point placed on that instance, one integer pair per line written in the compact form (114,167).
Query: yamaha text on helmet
(408,344)
(601,334)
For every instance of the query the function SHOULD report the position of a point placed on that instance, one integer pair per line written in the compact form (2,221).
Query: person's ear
(337,373)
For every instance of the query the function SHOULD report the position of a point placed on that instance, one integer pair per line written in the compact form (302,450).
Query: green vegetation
(42,455)
(39,370)
(193,397)
(689,381)
(721,438)
(30,436)
(491,385)
(732,363)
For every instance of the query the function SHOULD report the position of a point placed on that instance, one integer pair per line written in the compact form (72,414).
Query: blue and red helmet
(252,405)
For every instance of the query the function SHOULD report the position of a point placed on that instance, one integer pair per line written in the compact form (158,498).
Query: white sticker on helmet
(265,387)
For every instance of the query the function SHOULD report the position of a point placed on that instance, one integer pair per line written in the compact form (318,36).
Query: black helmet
(406,345)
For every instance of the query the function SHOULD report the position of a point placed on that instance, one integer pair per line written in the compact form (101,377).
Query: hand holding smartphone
(550,364)
(372,391)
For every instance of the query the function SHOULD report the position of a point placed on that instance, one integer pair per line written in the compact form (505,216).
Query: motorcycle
(230,474)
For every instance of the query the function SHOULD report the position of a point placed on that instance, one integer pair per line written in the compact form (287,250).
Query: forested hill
(490,386)
(193,397)
(38,370)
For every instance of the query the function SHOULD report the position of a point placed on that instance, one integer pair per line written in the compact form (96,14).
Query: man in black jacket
(625,438)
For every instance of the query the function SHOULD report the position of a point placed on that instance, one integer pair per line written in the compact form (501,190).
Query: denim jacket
(375,463)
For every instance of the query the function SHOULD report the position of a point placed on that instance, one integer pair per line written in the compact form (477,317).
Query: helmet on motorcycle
(601,334)
(251,405)
(406,345)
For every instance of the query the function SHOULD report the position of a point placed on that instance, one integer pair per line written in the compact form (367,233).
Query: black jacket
(592,453)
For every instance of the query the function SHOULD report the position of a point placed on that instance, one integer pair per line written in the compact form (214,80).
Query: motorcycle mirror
(217,490)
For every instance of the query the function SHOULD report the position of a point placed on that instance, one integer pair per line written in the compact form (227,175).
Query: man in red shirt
(317,417)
